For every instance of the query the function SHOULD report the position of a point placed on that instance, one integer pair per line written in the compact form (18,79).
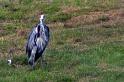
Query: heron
(37,41)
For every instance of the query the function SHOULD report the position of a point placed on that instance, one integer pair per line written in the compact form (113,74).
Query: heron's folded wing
(31,40)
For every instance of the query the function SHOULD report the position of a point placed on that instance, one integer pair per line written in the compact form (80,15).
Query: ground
(86,40)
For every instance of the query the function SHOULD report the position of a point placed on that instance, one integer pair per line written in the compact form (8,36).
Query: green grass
(85,53)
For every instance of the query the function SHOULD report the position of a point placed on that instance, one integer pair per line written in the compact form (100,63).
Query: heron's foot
(32,67)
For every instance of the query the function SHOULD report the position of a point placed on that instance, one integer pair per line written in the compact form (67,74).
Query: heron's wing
(46,32)
(41,42)
(31,41)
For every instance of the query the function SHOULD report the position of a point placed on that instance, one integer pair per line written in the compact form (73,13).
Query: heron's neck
(41,22)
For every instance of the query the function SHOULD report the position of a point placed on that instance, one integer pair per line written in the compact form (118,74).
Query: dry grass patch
(69,9)
(3,38)
(95,17)
(1,31)
(22,31)
(103,65)
(88,79)
(55,25)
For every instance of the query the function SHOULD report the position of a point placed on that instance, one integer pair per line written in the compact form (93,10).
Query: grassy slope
(85,53)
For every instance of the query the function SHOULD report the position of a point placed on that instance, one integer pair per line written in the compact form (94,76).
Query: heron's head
(42,18)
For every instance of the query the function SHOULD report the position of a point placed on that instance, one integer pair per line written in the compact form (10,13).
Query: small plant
(103,18)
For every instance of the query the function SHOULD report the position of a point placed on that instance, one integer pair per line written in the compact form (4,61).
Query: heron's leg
(31,62)
(33,66)
(33,57)
(43,62)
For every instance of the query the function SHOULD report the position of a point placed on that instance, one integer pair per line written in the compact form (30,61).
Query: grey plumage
(37,41)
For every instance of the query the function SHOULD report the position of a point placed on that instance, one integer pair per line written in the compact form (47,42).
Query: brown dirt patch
(69,9)
(56,25)
(87,79)
(103,65)
(3,38)
(95,17)
(1,31)
(77,40)
(22,31)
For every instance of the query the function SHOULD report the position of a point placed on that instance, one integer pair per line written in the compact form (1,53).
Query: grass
(83,53)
